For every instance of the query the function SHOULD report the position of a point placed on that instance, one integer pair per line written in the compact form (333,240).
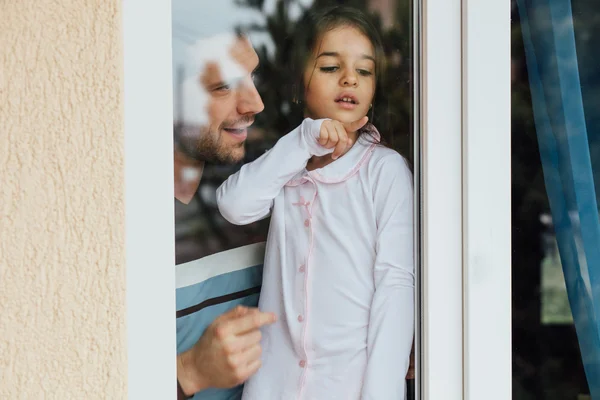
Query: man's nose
(249,101)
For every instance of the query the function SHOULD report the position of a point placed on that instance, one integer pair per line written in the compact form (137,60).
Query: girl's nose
(349,79)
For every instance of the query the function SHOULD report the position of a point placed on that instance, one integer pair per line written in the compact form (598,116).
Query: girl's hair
(310,30)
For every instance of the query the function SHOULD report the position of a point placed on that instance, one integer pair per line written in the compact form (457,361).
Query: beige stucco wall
(62,267)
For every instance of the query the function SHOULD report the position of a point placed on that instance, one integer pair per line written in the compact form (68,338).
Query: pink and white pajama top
(338,269)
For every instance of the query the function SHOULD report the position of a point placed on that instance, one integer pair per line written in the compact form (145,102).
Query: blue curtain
(564,142)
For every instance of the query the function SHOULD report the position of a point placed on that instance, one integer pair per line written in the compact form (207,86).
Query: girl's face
(339,79)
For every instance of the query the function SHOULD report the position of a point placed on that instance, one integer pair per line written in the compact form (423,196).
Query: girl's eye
(365,72)
(329,69)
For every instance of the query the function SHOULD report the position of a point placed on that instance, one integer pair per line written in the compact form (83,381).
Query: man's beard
(204,145)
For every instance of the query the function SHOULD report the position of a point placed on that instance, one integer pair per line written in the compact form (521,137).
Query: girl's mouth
(346,100)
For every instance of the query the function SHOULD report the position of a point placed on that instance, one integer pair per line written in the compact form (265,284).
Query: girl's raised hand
(335,134)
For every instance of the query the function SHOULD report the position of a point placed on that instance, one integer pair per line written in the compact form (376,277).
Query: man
(218,103)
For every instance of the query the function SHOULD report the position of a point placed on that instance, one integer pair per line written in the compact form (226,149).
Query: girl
(339,259)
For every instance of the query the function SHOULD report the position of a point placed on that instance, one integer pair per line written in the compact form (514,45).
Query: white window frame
(149,204)
(441,347)
(487,199)
(466,198)
(463,159)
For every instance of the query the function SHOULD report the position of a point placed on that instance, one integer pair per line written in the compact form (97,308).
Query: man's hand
(227,354)
(335,134)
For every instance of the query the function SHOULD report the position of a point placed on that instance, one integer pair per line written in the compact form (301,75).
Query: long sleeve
(247,196)
(391,321)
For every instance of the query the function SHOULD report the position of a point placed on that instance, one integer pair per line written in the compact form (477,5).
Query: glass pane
(251,177)
(556,172)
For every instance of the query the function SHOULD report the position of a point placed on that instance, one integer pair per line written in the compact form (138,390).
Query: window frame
(462,282)
(487,199)
(149,183)
(441,347)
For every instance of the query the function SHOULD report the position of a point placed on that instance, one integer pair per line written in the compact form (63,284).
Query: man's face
(232,103)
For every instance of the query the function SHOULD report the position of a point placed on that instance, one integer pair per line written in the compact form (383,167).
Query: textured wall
(62,254)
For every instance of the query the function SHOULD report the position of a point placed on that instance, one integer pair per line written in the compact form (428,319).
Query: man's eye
(223,88)
(329,69)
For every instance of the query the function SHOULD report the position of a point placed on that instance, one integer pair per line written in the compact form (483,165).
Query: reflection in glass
(268,24)
(203,236)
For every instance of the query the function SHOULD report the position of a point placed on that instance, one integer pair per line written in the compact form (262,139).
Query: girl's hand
(335,134)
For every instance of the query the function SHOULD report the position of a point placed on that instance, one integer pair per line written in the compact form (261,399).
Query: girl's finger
(324,134)
(333,137)
(342,143)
